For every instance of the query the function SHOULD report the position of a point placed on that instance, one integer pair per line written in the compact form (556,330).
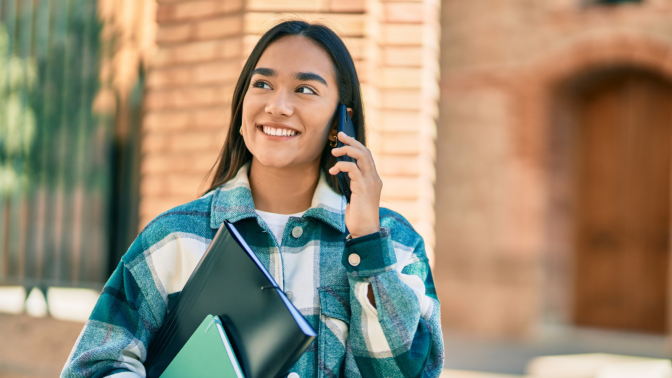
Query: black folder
(267,332)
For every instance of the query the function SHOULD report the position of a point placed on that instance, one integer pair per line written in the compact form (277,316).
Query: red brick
(173,33)
(399,143)
(194,162)
(187,141)
(218,27)
(206,73)
(191,97)
(403,34)
(408,13)
(362,69)
(284,5)
(400,120)
(168,77)
(409,209)
(355,46)
(398,165)
(198,52)
(402,77)
(172,120)
(402,99)
(345,25)
(403,188)
(189,10)
(181,184)
(397,56)
(347,6)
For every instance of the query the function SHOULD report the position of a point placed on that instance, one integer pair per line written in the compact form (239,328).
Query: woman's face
(290,103)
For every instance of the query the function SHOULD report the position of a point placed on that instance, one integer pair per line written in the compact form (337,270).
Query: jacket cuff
(369,254)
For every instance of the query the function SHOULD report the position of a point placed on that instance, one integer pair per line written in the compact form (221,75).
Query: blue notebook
(207,353)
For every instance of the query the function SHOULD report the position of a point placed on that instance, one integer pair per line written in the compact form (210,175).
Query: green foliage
(56,154)
(17,118)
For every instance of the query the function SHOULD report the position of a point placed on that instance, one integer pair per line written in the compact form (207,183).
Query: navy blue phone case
(345,125)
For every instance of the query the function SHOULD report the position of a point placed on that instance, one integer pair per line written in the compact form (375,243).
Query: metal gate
(55,152)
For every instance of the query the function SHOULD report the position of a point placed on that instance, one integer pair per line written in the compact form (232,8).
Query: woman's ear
(334,127)
(333,132)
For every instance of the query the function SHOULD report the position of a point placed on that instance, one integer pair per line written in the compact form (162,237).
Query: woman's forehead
(295,54)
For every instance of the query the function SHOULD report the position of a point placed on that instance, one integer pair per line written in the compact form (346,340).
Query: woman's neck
(283,190)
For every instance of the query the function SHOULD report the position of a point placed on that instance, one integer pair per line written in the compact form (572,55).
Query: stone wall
(201,47)
(503,266)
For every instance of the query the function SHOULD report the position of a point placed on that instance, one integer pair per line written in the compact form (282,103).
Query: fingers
(350,141)
(350,151)
(347,167)
(357,151)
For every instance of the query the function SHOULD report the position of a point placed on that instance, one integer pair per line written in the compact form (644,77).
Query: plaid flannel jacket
(400,338)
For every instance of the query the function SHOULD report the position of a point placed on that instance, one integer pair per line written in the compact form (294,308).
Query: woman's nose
(280,105)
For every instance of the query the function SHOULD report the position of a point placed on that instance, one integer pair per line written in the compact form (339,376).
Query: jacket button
(354,259)
(289,295)
(297,232)
(293,375)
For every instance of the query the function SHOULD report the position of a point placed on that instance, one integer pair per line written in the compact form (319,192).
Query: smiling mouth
(277,132)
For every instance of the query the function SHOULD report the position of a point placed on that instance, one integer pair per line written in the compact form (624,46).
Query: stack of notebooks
(231,289)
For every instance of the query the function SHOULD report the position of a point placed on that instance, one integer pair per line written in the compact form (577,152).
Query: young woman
(357,272)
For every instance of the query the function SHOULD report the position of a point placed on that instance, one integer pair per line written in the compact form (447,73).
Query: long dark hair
(235,154)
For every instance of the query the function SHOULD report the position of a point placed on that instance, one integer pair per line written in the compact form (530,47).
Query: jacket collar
(233,202)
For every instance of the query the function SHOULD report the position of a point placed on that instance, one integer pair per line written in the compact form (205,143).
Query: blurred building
(553,165)
(528,142)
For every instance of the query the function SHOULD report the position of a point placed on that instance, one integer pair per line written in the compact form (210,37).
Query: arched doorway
(622,160)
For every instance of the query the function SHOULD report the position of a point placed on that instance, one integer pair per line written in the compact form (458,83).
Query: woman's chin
(277,162)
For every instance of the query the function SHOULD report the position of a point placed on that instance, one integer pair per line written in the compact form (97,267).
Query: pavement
(32,347)
(35,347)
(466,352)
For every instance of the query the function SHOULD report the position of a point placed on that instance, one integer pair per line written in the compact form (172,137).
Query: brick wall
(188,92)
(201,46)
(502,268)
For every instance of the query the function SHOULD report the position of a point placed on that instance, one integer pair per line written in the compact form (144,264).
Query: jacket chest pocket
(334,328)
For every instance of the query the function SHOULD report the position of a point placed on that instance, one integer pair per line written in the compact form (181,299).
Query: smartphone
(344,124)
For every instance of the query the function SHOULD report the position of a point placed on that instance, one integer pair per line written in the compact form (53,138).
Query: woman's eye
(261,84)
(306,90)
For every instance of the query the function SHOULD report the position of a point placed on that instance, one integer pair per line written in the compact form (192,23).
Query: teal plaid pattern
(401,337)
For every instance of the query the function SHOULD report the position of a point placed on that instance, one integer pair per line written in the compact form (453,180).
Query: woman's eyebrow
(264,72)
(307,76)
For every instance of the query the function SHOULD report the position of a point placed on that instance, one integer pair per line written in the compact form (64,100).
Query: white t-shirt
(277,222)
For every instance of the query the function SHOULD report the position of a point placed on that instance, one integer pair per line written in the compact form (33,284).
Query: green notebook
(207,353)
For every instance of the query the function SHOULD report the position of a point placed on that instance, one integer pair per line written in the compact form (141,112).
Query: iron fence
(55,171)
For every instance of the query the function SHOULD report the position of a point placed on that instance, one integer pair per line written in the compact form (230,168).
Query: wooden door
(623,198)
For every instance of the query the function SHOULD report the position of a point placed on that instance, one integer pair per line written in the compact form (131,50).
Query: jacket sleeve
(401,336)
(115,338)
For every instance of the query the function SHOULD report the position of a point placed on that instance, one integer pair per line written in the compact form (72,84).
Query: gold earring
(241,130)
(333,143)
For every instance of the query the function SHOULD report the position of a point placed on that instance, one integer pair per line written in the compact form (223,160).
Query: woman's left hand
(361,214)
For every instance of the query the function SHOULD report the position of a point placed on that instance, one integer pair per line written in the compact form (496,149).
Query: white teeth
(277,132)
